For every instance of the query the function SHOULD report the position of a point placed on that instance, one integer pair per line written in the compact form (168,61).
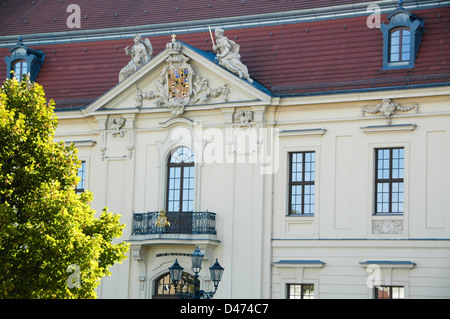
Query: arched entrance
(164,288)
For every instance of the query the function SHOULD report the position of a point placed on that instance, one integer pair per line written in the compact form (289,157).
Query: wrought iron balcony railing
(178,223)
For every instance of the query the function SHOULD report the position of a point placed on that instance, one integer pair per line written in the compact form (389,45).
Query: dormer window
(401,39)
(23,60)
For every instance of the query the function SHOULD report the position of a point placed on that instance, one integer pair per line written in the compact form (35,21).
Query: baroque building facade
(304,148)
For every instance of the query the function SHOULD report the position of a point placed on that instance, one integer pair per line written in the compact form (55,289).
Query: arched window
(20,69)
(165,289)
(180,181)
(400,45)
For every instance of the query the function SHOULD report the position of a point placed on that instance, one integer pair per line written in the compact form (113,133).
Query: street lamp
(175,273)
(216,271)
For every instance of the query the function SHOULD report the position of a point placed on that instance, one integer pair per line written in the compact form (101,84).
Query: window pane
(406,36)
(296,199)
(383,293)
(309,199)
(395,40)
(297,167)
(398,292)
(308,291)
(394,57)
(182,155)
(406,56)
(395,34)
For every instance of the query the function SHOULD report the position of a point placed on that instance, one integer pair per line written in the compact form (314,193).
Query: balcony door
(180,188)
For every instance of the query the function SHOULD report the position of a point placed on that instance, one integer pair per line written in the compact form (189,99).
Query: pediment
(178,79)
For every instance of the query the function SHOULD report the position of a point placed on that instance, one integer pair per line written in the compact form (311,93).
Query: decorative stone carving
(138,255)
(387,227)
(116,124)
(244,118)
(179,85)
(387,108)
(140,52)
(253,119)
(228,55)
(113,126)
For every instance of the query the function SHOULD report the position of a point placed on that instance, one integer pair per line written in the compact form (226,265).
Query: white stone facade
(241,145)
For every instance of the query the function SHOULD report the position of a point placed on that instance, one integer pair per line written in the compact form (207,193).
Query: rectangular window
(389,174)
(82,174)
(300,291)
(389,292)
(302,168)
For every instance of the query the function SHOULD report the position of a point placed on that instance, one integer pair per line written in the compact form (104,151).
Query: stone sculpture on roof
(228,55)
(140,52)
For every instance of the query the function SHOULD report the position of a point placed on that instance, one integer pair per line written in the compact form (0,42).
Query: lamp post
(176,271)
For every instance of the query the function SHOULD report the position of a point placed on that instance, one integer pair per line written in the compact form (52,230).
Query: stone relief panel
(242,124)
(387,108)
(244,118)
(121,129)
(116,124)
(387,227)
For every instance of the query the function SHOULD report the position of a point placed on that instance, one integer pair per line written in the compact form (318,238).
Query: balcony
(188,226)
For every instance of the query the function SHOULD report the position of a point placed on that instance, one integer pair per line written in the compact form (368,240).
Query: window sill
(388,128)
(398,65)
(300,215)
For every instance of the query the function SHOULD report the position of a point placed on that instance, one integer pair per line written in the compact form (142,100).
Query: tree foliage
(50,237)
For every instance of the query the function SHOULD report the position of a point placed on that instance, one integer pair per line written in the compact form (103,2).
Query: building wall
(254,232)
(341,233)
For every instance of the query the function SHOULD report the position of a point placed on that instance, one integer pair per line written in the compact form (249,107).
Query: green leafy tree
(52,243)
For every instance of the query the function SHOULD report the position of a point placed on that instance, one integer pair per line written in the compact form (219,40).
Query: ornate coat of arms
(178,85)
(162,220)
(179,80)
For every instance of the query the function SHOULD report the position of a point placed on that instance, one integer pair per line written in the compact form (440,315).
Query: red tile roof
(303,58)
(20,17)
